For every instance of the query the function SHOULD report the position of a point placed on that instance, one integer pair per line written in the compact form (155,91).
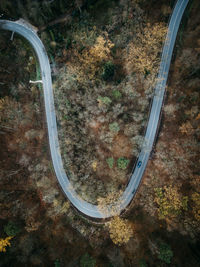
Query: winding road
(86,208)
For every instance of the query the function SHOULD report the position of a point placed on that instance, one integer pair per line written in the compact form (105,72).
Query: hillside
(104,57)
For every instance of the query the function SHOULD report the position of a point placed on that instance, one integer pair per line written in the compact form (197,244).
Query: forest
(104,57)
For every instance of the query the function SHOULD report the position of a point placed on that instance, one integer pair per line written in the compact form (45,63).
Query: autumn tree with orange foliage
(4,243)
(120,230)
(88,63)
(143,50)
(110,205)
(186,128)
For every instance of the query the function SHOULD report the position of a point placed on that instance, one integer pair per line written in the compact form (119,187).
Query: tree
(11,229)
(143,51)
(186,128)
(87,261)
(196,206)
(170,201)
(108,70)
(122,163)
(10,117)
(142,263)
(165,253)
(120,230)
(4,243)
(88,63)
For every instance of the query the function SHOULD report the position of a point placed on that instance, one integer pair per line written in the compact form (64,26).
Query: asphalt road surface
(28,32)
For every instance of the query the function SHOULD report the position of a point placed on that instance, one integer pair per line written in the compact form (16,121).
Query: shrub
(116,94)
(68,104)
(11,229)
(108,70)
(114,127)
(143,263)
(122,163)
(57,263)
(87,261)
(165,253)
(104,100)
(110,162)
